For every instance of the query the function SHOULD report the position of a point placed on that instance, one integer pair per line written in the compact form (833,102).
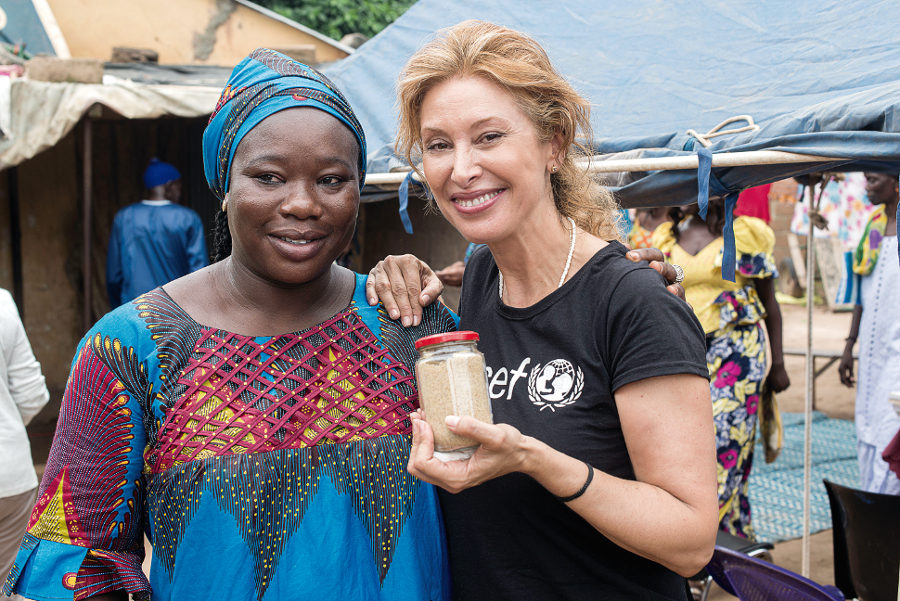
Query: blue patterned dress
(268,467)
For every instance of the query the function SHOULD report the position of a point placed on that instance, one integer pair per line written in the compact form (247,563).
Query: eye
(333,180)
(267,178)
(436,146)
(491,136)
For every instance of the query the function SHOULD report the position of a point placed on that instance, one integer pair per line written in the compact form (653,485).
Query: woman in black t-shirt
(598,479)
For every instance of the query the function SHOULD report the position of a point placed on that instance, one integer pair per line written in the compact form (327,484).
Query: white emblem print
(555,385)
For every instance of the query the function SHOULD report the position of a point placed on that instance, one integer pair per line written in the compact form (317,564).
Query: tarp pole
(600,165)
(87,187)
(810,376)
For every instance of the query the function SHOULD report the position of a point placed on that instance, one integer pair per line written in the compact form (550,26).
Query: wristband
(584,488)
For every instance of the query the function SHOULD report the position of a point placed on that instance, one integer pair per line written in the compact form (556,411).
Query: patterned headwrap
(263,84)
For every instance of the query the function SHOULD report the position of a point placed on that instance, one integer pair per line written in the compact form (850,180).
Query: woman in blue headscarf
(251,417)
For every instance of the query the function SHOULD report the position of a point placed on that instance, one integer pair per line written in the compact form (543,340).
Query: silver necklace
(562,278)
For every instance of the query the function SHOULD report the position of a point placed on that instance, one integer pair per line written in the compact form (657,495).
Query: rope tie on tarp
(729,252)
(403,193)
(718,131)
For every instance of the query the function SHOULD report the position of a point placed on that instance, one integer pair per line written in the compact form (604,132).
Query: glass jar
(451,377)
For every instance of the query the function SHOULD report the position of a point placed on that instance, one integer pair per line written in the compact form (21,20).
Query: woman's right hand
(845,369)
(404,284)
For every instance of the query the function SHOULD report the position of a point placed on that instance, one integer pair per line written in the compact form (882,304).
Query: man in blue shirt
(153,241)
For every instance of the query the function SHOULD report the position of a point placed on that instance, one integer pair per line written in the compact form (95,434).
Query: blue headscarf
(263,84)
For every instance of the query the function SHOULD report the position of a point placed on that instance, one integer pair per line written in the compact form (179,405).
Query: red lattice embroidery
(332,384)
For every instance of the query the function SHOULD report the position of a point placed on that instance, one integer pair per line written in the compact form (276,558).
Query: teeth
(298,242)
(475,202)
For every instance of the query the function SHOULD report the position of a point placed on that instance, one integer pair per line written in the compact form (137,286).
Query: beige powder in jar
(453,384)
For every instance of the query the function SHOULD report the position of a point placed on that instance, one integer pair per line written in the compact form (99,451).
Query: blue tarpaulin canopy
(819,77)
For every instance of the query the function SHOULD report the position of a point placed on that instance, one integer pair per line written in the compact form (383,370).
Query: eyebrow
(277,158)
(476,124)
(339,160)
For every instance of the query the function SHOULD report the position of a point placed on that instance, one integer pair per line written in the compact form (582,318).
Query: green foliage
(336,18)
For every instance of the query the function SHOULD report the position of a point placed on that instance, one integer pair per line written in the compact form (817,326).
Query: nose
(466,166)
(301,201)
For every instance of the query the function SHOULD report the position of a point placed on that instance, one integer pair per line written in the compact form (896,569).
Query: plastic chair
(734,543)
(752,579)
(866,541)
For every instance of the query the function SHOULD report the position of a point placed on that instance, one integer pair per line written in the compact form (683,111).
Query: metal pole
(88,226)
(15,235)
(810,375)
(600,165)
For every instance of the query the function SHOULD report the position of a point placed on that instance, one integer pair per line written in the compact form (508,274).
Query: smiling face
(483,159)
(294,196)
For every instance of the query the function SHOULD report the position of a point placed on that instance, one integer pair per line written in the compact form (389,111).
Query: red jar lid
(448,337)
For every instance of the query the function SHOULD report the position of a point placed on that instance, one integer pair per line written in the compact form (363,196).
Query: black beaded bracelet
(583,488)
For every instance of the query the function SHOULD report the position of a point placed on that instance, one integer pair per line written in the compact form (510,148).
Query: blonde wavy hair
(518,64)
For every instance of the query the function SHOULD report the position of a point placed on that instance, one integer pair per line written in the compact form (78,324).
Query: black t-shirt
(552,371)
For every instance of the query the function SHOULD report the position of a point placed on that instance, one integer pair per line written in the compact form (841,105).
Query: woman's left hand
(778,379)
(502,450)
(658,262)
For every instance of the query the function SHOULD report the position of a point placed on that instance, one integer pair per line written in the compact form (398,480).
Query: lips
(296,245)
(476,201)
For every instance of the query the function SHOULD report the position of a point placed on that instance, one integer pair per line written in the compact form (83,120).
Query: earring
(554,169)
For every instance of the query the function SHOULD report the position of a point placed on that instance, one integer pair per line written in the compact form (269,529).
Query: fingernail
(426,299)
(416,320)
(406,321)
(395,314)
(372,300)
(451,420)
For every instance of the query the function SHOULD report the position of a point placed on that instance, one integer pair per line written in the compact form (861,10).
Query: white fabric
(879,366)
(22,394)
(42,113)
(874,472)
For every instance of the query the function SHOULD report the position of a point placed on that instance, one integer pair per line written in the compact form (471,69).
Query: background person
(155,240)
(876,322)
(252,416)
(730,313)
(645,223)
(23,393)
(452,274)
(603,487)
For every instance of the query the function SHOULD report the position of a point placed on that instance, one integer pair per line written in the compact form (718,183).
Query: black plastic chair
(866,541)
(733,543)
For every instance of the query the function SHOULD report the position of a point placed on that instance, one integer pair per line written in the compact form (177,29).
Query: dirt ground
(831,398)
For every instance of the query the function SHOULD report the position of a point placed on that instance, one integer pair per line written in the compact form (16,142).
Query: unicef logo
(555,385)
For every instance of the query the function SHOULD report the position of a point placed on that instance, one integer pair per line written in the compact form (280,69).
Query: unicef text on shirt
(552,385)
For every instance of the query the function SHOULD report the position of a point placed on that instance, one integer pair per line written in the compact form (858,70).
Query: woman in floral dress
(730,313)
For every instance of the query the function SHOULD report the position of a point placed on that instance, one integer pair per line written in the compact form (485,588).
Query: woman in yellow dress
(730,313)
